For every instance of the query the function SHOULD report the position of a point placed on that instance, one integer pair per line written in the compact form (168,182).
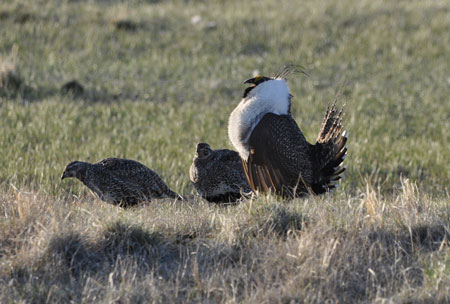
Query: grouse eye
(253,83)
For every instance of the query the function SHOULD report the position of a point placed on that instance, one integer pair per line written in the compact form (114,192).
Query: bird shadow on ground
(425,238)
(163,254)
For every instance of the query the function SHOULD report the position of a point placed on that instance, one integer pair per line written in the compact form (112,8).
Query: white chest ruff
(271,96)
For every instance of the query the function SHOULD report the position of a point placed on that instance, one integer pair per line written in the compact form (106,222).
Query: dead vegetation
(340,249)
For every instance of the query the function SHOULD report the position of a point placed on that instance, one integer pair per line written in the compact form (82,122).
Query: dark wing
(280,157)
(234,171)
(121,165)
(126,193)
(226,155)
(112,189)
(133,172)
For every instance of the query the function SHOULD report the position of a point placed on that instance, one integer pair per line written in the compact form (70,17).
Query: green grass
(169,81)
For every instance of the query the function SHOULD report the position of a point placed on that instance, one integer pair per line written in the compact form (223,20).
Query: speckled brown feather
(124,182)
(218,177)
(282,161)
(279,159)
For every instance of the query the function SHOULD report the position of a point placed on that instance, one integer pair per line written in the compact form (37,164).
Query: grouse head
(203,150)
(269,94)
(272,87)
(253,83)
(75,169)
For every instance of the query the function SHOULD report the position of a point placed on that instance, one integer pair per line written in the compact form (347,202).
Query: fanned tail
(330,151)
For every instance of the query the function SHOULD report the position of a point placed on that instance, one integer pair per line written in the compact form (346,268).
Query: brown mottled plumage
(275,154)
(217,175)
(119,181)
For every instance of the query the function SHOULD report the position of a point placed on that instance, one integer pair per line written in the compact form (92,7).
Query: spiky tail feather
(330,151)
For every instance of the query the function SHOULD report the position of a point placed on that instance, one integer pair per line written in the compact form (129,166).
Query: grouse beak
(64,175)
(256,80)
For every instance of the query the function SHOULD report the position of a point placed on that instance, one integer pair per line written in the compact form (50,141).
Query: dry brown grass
(342,249)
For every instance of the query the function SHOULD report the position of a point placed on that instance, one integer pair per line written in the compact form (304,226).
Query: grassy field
(161,76)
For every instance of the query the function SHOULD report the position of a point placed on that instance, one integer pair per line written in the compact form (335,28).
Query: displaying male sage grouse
(119,181)
(275,155)
(217,175)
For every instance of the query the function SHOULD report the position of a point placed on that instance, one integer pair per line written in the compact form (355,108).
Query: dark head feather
(75,169)
(254,82)
(203,150)
(283,73)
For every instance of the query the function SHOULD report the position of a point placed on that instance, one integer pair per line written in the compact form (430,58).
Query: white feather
(345,134)
(271,96)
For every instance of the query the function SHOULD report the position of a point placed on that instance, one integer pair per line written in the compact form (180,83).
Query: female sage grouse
(275,155)
(119,181)
(217,175)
